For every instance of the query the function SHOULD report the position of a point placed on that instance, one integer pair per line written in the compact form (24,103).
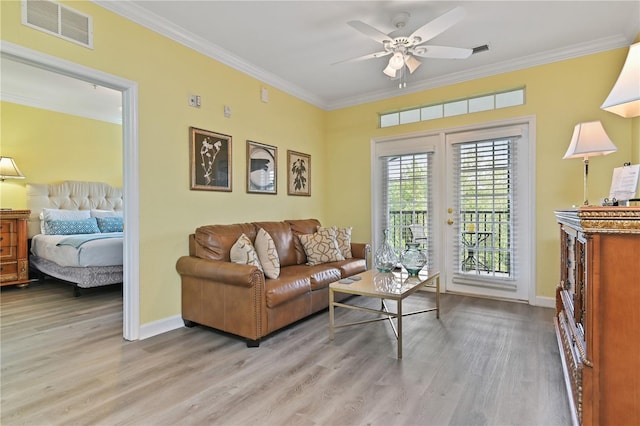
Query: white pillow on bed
(106,213)
(58,214)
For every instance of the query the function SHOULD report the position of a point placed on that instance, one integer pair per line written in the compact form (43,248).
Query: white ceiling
(291,45)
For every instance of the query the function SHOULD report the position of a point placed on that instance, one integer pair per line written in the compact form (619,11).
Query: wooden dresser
(598,313)
(14,257)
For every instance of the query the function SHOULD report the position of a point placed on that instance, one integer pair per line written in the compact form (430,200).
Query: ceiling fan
(403,50)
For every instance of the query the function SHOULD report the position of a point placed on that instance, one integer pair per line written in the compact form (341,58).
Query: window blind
(484,181)
(406,200)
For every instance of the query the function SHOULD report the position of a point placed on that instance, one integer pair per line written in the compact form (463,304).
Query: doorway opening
(129,90)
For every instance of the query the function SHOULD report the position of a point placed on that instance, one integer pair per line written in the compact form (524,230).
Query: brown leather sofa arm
(215,270)
(361,251)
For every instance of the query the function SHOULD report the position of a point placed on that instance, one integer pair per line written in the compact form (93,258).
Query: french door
(465,196)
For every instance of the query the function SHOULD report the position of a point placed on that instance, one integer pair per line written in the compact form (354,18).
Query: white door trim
(129,89)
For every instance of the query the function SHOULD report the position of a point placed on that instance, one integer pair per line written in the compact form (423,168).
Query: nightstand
(14,255)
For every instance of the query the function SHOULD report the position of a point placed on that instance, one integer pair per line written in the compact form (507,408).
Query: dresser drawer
(573,361)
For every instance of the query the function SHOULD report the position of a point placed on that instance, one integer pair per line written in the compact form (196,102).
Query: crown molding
(168,29)
(162,26)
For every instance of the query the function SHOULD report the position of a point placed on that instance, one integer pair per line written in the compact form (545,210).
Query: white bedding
(103,252)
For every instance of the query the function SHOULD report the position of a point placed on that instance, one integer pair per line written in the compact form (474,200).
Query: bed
(76,234)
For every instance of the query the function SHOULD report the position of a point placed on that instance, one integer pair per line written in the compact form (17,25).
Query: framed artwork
(262,168)
(210,156)
(298,173)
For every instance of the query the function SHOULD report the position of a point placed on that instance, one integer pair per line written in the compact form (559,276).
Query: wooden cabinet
(598,313)
(14,257)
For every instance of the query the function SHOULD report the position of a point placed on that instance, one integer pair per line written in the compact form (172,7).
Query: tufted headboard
(70,195)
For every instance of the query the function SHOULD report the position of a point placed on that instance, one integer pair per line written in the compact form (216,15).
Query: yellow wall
(560,95)
(52,147)
(167,73)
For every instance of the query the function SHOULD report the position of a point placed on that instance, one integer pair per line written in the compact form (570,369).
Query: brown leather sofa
(239,299)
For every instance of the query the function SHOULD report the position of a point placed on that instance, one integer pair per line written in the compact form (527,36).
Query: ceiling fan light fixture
(396,61)
(412,63)
(391,72)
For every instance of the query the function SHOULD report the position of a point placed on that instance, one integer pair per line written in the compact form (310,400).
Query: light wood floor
(485,362)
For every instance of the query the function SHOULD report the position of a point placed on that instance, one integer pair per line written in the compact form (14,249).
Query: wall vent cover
(59,20)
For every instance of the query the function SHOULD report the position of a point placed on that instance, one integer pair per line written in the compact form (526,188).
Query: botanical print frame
(262,168)
(210,156)
(298,173)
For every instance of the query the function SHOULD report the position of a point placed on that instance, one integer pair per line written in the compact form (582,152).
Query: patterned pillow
(47,215)
(243,252)
(320,248)
(342,237)
(110,224)
(267,254)
(72,227)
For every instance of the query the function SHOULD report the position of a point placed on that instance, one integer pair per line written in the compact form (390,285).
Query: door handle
(450,221)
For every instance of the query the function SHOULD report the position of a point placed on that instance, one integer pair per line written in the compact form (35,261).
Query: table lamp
(589,139)
(9,169)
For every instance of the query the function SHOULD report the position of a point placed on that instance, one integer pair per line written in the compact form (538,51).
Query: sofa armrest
(361,251)
(218,271)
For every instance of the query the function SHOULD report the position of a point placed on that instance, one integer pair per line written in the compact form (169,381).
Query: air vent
(59,20)
(479,49)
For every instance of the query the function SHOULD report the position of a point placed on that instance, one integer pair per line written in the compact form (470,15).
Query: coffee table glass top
(387,285)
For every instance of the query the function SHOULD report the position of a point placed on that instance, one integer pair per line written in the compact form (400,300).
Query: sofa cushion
(350,267)
(320,275)
(283,238)
(286,287)
(320,248)
(302,227)
(242,252)
(342,236)
(267,253)
(215,241)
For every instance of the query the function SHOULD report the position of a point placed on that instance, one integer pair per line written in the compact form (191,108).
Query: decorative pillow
(57,214)
(106,213)
(72,227)
(243,252)
(110,224)
(342,237)
(320,248)
(266,249)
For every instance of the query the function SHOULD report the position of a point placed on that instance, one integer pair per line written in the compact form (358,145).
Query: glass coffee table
(384,286)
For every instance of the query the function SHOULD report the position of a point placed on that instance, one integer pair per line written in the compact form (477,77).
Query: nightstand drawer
(8,226)
(8,239)
(14,250)
(8,253)
(9,271)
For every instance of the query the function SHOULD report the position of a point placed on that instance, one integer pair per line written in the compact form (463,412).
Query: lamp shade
(624,98)
(589,139)
(9,170)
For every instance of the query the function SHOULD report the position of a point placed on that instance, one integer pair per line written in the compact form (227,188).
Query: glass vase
(385,259)
(413,259)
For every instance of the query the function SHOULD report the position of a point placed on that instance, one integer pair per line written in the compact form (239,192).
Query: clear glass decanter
(385,259)
(413,259)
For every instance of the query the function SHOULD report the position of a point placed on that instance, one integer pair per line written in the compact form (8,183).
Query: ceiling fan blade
(438,25)
(369,31)
(364,57)
(442,52)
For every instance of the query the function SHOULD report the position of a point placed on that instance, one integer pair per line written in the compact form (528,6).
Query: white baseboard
(161,326)
(545,302)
